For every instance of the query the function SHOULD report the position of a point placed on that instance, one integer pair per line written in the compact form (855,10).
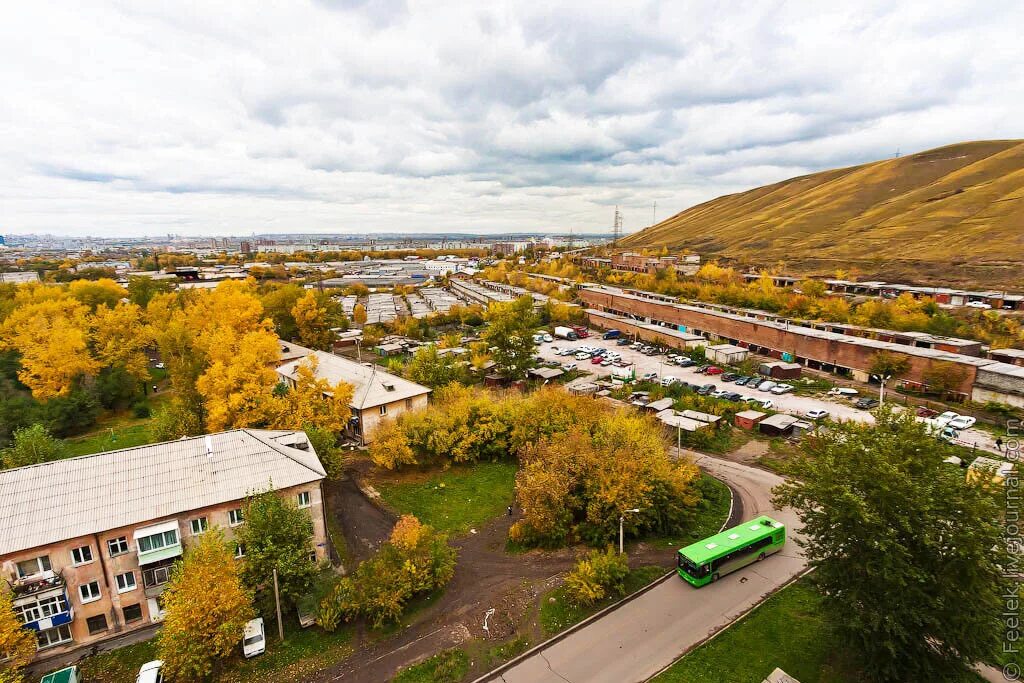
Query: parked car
(623,341)
(160,366)
(568,367)
(926,412)
(151,672)
(729,376)
(766,385)
(636,345)
(548,338)
(254,641)
(978,304)
(685,362)
(731,396)
(741,380)
(596,360)
(962,422)
(766,403)
(713,370)
(706,389)
(668,380)
(946,417)
(650,377)
(842,391)
(866,403)
(702,368)
(605,363)
(817,414)
(782,388)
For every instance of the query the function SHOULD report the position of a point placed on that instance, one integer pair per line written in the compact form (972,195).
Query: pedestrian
(999,444)
(509,510)
(154,388)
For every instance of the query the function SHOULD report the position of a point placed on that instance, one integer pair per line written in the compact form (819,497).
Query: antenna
(617,227)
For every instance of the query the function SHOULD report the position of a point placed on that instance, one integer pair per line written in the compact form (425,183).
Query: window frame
(40,560)
(204,525)
(308,500)
(147,540)
(383,410)
(88,625)
(76,561)
(92,598)
(236,517)
(124,613)
(239,551)
(63,628)
(119,542)
(126,588)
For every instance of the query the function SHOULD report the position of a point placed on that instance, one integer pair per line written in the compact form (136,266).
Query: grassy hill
(954,213)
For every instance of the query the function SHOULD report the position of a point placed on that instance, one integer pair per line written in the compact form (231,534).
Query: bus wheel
(714,577)
(760,557)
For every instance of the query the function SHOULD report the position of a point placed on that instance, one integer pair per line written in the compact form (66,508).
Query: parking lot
(840,409)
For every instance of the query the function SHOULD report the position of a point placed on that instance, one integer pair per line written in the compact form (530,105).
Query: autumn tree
(206,607)
(313,401)
(311,322)
(277,535)
(433,369)
(509,333)
(17,643)
(32,445)
(888,364)
(120,337)
(278,303)
(908,556)
(390,447)
(944,377)
(142,289)
(359,314)
(96,293)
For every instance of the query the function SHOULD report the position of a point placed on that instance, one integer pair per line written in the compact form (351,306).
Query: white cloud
(383,115)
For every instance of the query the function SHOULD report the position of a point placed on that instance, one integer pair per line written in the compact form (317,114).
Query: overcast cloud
(384,115)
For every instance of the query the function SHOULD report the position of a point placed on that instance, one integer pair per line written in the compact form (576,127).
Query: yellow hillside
(960,206)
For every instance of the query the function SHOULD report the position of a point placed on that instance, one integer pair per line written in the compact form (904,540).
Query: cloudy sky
(389,115)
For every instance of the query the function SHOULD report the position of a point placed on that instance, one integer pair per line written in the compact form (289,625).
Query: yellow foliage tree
(311,320)
(313,402)
(390,448)
(206,608)
(359,314)
(237,386)
(120,336)
(96,293)
(17,643)
(52,337)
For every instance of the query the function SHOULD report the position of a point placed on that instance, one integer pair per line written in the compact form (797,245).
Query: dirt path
(364,525)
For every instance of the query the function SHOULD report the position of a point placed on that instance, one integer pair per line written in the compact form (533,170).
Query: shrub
(140,410)
(596,576)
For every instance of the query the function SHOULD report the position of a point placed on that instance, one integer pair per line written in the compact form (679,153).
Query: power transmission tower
(617,228)
(570,243)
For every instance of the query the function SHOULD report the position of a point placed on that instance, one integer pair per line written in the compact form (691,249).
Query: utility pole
(622,518)
(277,600)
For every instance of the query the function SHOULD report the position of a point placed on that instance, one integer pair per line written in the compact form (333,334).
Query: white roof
(373,386)
(55,501)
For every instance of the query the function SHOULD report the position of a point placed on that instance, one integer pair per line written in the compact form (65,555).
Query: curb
(740,617)
(502,668)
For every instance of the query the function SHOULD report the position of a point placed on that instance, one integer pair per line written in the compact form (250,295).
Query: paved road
(787,403)
(643,636)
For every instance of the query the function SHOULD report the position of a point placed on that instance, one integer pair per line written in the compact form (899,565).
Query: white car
(961,422)
(766,403)
(650,377)
(548,338)
(668,380)
(978,304)
(767,385)
(945,418)
(582,356)
(151,672)
(817,414)
(568,367)
(781,388)
(843,391)
(254,640)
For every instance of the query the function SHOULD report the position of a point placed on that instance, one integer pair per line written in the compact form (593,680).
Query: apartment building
(87,544)
(377,396)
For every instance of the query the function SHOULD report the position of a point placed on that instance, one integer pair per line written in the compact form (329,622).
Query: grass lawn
(558,613)
(712,513)
(302,653)
(114,431)
(452,501)
(788,632)
(449,666)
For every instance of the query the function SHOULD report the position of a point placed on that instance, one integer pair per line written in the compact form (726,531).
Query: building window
(383,410)
(37,565)
(198,526)
(239,551)
(89,592)
(132,613)
(157,576)
(47,607)
(158,541)
(304,499)
(81,555)
(125,582)
(53,636)
(235,517)
(117,546)
(97,624)
(408,404)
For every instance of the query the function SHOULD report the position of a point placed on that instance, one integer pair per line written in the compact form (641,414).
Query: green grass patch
(712,513)
(788,631)
(453,501)
(449,666)
(302,653)
(110,438)
(558,612)
(499,654)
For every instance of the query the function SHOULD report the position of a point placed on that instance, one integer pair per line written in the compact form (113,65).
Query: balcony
(32,588)
(155,578)
(45,608)
(158,543)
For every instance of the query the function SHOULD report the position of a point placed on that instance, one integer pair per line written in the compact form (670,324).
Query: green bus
(729,550)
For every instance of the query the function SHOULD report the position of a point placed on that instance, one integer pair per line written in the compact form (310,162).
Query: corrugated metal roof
(51,502)
(372,385)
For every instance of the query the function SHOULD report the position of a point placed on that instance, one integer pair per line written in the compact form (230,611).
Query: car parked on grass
(254,641)
(962,422)
(151,672)
(843,391)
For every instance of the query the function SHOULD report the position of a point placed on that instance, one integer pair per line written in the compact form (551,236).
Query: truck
(612,334)
(581,332)
(566,333)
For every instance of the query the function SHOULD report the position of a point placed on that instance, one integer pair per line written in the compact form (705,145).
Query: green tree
(278,301)
(509,333)
(943,377)
(141,289)
(906,553)
(887,364)
(206,608)
(429,367)
(277,534)
(33,445)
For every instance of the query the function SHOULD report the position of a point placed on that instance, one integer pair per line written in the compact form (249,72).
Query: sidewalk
(58,661)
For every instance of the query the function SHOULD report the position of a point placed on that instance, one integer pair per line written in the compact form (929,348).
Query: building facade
(88,543)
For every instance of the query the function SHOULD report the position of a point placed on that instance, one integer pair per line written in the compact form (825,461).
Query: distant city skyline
(381,116)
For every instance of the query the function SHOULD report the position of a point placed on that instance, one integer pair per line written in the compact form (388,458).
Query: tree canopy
(509,333)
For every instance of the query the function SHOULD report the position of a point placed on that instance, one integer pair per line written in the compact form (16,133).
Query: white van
(254,640)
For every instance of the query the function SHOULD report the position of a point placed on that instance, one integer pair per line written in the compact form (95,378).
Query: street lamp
(882,379)
(622,518)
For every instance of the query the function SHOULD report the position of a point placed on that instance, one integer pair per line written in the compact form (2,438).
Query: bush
(596,576)
(141,410)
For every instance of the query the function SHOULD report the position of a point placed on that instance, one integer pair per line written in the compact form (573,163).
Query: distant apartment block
(378,395)
(87,543)
(19,278)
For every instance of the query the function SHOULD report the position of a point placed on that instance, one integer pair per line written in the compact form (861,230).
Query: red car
(713,370)
(596,360)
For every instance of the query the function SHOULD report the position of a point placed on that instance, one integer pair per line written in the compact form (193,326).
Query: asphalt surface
(839,409)
(645,635)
